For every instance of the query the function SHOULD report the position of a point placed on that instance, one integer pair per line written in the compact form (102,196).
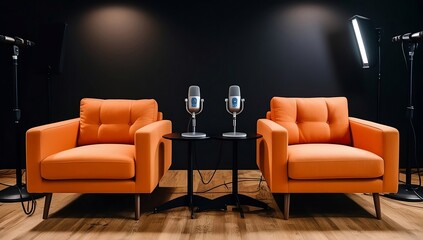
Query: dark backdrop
(157,49)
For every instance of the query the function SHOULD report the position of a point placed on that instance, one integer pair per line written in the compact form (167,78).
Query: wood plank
(312,216)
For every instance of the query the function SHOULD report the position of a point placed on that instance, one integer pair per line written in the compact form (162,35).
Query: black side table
(235,198)
(190,200)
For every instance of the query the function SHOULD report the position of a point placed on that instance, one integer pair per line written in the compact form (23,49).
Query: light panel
(360,43)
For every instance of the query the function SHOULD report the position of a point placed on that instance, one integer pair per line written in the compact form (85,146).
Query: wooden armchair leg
(376,201)
(286,199)
(47,203)
(137,206)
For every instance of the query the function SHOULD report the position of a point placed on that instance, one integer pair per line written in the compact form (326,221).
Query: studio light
(359,39)
(367,39)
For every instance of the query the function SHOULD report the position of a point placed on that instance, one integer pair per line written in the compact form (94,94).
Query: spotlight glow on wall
(359,38)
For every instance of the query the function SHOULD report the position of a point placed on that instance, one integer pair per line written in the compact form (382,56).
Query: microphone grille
(417,34)
(194,91)
(234,90)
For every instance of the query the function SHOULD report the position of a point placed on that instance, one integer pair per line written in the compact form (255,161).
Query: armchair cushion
(114,120)
(332,161)
(312,120)
(97,161)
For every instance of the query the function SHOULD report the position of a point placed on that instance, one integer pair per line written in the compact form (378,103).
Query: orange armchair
(115,146)
(311,145)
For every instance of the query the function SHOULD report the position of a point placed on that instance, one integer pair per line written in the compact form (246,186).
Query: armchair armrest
(272,154)
(45,140)
(381,140)
(153,155)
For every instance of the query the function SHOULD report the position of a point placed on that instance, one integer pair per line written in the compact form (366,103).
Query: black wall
(157,49)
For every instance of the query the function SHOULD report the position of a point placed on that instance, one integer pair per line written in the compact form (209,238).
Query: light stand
(234,134)
(408,191)
(366,37)
(18,192)
(379,80)
(194,134)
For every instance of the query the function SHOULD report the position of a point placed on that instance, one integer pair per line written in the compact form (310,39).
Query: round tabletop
(178,136)
(248,137)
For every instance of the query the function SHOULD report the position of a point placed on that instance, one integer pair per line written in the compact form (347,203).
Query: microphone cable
(31,205)
(259,187)
(260,180)
(403,54)
(189,123)
(415,161)
(215,169)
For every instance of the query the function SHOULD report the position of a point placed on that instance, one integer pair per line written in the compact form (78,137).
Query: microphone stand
(194,134)
(378,33)
(234,134)
(18,192)
(408,191)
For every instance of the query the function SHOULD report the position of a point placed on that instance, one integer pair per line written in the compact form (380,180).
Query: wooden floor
(313,216)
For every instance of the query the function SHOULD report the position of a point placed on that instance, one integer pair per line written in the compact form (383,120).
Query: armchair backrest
(312,120)
(114,120)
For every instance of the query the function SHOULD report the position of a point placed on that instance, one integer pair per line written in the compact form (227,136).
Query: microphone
(17,41)
(398,38)
(194,99)
(234,99)
(408,37)
(234,106)
(417,35)
(194,106)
